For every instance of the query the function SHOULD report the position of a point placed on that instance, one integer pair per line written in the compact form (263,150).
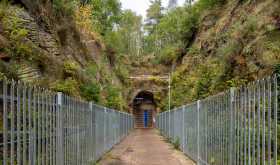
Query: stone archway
(144,109)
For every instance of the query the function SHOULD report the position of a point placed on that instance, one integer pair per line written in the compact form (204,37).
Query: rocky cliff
(50,51)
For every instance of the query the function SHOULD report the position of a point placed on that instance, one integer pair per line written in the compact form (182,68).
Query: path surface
(145,147)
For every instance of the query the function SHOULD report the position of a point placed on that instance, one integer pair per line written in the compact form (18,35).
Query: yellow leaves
(85,21)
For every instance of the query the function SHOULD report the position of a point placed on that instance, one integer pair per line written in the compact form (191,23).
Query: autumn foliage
(86,22)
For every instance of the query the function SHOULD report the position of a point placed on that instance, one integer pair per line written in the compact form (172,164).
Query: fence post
(91,130)
(104,130)
(183,127)
(169,124)
(198,128)
(231,127)
(60,130)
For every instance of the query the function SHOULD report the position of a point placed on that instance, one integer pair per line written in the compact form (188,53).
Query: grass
(108,156)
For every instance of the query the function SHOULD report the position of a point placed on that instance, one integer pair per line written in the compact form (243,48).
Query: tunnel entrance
(144,109)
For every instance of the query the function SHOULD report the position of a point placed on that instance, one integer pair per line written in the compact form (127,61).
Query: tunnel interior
(144,109)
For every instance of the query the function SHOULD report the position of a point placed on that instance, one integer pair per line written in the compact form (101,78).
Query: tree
(108,13)
(169,27)
(172,3)
(130,32)
(154,15)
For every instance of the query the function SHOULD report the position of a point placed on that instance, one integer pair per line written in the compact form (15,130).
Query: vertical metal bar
(183,127)
(18,124)
(211,128)
(275,120)
(39,126)
(47,127)
(43,127)
(198,131)
(72,129)
(105,131)
(169,122)
(263,121)
(241,125)
(220,127)
(67,127)
(216,129)
(258,123)
(237,132)
(32,140)
(77,129)
(34,123)
(60,131)
(24,124)
(54,128)
(12,122)
(231,114)
(269,122)
(91,130)
(223,128)
(249,124)
(51,121)
(5,109)
(245,113)
(253,123)
(29,127)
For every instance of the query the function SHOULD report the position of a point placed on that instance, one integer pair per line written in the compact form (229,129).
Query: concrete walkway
(145,147)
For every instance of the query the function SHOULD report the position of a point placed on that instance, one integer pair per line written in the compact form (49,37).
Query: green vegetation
(176,143)
(224,50)
(211,45)
(276,71)
(167,139)
(108,156)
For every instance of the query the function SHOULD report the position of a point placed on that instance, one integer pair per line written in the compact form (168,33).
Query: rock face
(37,35)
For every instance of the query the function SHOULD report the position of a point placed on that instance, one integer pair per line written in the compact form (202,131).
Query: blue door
(146,118)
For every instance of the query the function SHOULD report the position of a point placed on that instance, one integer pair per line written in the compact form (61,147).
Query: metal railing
(44,127)
(238,126)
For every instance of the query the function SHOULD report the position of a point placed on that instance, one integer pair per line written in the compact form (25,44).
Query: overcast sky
(140,6)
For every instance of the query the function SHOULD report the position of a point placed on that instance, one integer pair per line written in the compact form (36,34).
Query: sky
(140,6)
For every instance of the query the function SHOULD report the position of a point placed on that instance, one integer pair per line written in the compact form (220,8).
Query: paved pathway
(145,147)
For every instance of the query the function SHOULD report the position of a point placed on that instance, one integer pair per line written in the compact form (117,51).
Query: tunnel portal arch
(144,109)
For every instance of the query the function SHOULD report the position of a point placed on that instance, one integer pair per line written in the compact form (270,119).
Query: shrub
(63,8)
(176,144)
(166,57)
(68,87)
(156,72)
(92,91)
(113,97)
(193,49)
(152,79)
(69,69)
